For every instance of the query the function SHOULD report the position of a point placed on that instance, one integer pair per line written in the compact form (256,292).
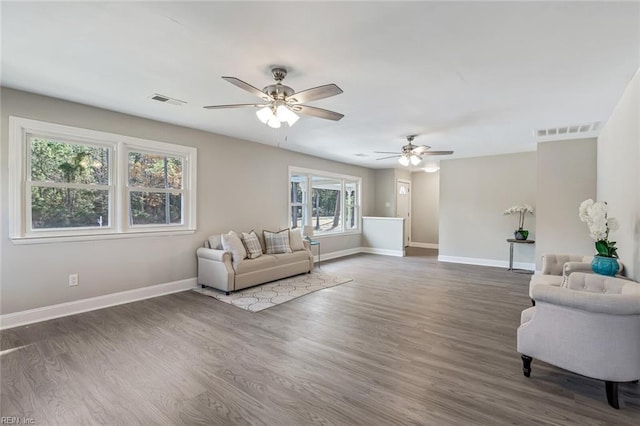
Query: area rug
(265,296)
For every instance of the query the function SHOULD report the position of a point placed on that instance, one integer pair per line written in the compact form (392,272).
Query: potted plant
(595,216)
(520,233)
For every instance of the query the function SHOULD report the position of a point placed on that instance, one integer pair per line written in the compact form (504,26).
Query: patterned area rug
(264,296)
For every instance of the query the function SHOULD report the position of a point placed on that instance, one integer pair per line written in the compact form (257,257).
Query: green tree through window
(69,184)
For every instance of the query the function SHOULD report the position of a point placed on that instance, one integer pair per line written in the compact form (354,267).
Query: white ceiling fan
(282,103)
(412,154)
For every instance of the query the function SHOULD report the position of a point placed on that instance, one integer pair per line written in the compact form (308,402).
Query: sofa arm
(571,267)
(215,269)
(612,304)
(552,264)
(212,254)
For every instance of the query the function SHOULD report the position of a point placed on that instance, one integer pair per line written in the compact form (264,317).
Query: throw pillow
(295,239)
(252,244)
(277,242)
(231,243)
(215,242)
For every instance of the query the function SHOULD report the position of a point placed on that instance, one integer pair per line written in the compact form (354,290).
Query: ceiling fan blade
(437,153)
(249,88)
(391,156)
(420,149)
(317,112)
(386,152)
(315,93)
(233,106)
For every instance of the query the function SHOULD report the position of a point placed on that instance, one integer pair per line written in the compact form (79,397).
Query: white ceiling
(475,77)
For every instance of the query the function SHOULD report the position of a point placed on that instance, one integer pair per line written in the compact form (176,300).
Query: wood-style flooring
(409,341)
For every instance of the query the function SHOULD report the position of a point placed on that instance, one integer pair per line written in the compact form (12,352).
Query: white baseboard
(356,250)
(423,245)
(78,306)
(486,262)
(384,252)
(337,254)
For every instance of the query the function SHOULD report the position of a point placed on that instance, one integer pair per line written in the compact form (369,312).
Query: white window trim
(19,207)
(294,170)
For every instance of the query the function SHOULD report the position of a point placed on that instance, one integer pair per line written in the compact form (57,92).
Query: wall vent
(166,99)
(565,131)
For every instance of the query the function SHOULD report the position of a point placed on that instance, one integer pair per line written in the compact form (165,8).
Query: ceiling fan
(281,103)
(411,153)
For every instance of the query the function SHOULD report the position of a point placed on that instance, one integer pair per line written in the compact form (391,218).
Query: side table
(317,244)
(511,242)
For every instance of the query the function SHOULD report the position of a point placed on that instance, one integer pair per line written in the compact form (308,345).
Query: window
(71,182)
(329,202)
(155,189)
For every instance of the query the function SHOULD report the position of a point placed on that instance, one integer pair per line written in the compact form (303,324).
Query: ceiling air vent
(166,99)
(567,131)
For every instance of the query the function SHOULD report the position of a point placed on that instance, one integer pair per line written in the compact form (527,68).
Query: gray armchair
(556,267)
(590,327)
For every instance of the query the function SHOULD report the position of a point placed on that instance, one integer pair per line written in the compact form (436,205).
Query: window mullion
(121,204)
(309,203)
(343,203)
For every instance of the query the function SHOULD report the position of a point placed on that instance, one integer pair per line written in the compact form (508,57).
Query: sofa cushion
(277,242)
(252,244)
(231,242)
(296,256)
(295,239)
(252,265)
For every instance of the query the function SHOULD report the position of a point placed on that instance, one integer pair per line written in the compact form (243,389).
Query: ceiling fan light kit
(273,117)
(412,154)
(283,102)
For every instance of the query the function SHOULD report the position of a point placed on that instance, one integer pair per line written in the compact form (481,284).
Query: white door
(403,207)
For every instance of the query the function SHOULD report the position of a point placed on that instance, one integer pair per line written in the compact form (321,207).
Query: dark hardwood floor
(408,341)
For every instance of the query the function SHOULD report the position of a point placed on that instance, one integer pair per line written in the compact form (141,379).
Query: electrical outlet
(73,280)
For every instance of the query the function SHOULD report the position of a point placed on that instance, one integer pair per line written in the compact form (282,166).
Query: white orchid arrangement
(595,216)
(521,211)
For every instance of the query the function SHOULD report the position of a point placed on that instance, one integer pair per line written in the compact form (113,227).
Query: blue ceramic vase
(605,265)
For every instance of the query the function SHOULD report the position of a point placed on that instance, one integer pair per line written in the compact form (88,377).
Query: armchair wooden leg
(533,302)
(526,365)
(612,393)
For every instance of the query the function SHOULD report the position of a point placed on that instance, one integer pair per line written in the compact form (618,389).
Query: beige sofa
(217,269)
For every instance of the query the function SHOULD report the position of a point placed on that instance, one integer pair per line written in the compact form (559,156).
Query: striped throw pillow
(277,242)
(252,244)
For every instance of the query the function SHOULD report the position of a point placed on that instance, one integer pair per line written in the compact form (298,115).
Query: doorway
(403,207)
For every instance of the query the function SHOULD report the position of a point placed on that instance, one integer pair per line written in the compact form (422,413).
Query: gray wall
(241,185)
(474,192)
(566,177)
(385,182)
(385,200)
(425,207)
(619,175)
